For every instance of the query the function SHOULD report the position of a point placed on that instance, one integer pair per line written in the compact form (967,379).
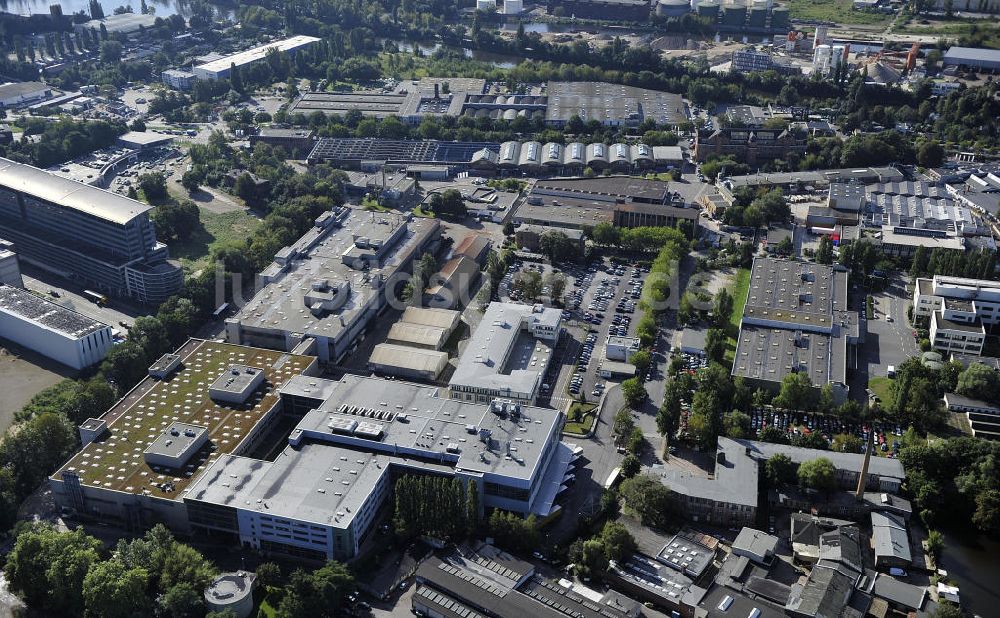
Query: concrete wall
(74,353)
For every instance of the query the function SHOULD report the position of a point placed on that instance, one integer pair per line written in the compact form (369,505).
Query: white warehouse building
(219,68)
(52,330)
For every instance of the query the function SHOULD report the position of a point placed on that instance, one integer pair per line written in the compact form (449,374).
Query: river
(973,564)
(164,8)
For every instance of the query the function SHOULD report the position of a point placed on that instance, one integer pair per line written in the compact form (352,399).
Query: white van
(725,603)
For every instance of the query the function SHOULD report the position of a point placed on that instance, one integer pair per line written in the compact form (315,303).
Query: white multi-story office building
(507,355)
(959,311)
(98,238)
(52,330)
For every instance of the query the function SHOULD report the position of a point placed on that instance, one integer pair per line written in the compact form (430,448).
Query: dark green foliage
(954,481)
(434,505)
(514,532)
(320,593)
(174,220)
(649,499)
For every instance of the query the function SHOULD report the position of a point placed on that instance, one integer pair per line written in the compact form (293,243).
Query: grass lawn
(369,204)
(269,605)
(741,288)
(839,11)
(215,229)
(420,212)
(586,418)
(881,385)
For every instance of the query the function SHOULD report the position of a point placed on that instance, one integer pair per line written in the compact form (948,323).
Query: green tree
(181,601)
(47,567)
(935,544)
(930,153)
(715,345)
(780,470)
(111,51)
(819,473)
(618,542)
(634,392)
(174,220)
(642,360)
(736,424)
(796,392)
(979,381)
(557,246)
(824,253)
(153,187)
(606,234)
(987,514)
(317,593)
(631,466)
(772,434)
(648,498)
(111,590)
(722,307)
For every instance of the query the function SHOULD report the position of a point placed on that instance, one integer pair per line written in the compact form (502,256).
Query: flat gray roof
(46,313)
(882,466)
(69,193)
(15,89)
(247,56)
(755,542)
(280,305)
(770,354)
(974,54)
(500,355)
(964,327)
(735,479)
(606,102)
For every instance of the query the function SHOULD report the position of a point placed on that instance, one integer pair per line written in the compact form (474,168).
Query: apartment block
(960,311)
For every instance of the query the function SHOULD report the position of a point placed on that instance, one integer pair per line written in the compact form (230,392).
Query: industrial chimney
(859,494)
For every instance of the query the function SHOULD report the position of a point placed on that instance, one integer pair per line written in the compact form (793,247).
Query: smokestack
(863,478)
(437,92)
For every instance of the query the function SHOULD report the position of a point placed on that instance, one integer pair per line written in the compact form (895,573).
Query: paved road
(889,343)
(70,296)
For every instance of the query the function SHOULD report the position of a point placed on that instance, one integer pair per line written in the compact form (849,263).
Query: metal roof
(69,193)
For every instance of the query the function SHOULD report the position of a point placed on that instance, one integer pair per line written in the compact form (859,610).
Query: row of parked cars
(800,423)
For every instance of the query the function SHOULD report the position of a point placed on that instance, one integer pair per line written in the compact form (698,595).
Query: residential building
(219,68)
(100,239)
(325,290)
(796,320)
(52,330)
(507,355)
(10,268)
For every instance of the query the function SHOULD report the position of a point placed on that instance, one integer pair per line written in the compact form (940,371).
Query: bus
(613,478)
(96,297)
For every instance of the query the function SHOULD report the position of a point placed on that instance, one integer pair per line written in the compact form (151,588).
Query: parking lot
(601,300)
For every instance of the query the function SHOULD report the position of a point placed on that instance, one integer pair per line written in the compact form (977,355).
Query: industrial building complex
(182,449)
(796,320)
(555,103)
(100,239)
(321,293)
